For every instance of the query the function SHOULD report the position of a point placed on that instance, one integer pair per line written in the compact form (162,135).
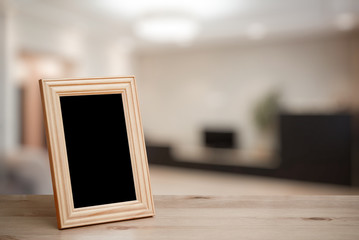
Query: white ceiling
(219,20)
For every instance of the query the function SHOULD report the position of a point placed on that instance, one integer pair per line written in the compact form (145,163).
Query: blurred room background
(237,96)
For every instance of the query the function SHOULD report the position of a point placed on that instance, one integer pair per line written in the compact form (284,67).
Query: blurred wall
(48,42)
(184,90)
(87,43)
(354,68)
(8,99)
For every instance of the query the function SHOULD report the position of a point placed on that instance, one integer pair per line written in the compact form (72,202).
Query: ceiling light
(256,31)
(164,29)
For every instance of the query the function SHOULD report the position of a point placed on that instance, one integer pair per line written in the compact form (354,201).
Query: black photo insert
(97,149)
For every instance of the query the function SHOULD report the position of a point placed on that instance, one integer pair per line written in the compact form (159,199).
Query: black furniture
(312,147)
(316,147)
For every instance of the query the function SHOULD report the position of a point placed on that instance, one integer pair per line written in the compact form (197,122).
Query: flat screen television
(219,139)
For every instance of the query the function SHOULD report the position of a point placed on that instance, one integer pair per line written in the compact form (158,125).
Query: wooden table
(196,217)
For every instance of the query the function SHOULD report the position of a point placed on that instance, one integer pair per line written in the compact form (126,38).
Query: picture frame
(96,150)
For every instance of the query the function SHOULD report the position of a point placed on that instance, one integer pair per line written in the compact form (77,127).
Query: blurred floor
(177,181)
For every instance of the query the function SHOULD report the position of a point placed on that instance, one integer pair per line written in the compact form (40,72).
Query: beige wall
(8,96)
(355,69)
(183,90)
(66,39)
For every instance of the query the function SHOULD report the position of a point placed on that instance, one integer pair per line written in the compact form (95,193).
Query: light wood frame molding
(67,215)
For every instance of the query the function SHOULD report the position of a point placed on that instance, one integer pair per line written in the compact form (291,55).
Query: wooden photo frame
(96,149)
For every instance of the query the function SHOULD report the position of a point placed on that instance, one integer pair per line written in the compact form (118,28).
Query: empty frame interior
(96,148)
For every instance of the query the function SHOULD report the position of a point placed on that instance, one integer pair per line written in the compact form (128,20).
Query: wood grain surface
(196,217)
